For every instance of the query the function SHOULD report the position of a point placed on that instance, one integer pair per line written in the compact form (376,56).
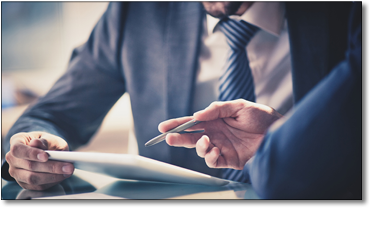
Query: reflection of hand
(29,164)
(56,190)
(233,131)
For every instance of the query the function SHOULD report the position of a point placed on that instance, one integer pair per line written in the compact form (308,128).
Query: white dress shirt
(268,53)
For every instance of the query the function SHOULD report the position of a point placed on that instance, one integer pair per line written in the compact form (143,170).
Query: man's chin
(221,9)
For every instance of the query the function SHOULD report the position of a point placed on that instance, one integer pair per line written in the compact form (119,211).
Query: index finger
(20,150)
(172,123)
(218,110)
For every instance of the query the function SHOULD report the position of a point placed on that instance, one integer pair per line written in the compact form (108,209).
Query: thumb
(48,141)
(39,143)
(217,110)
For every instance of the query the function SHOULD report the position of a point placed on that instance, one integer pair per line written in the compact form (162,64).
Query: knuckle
(22,151)
(30,154)
(51,168)
(29,165)
(32,179)
(216,104)
(241,101)
(14,148)
(8,157)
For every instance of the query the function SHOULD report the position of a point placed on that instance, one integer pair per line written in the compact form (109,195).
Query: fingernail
(66,175)
(67,169)
(41,157)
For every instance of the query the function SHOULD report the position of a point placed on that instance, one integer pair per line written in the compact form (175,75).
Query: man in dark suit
(314,152)
(151,50)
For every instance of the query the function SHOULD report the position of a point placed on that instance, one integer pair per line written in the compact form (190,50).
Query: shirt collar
(268,16)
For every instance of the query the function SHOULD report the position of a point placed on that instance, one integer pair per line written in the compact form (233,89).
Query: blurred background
(37,39)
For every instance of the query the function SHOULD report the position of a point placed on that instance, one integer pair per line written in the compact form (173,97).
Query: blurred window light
(37,42)
(31,35)
(7,94)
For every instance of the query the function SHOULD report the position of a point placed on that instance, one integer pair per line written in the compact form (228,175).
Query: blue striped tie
(237,81)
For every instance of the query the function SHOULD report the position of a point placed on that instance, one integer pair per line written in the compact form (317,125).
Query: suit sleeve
(317,152)
(77,103)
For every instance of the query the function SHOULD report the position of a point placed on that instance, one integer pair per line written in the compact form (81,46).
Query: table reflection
(129,189)
(72,185)
(158,190)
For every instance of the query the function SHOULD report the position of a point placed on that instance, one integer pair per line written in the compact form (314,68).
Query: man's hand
(233,131)
(28,162)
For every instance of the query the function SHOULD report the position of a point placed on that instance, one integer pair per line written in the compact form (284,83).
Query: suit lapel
(308,36)
(183,41)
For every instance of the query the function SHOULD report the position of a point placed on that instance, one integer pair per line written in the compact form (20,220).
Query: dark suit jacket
(151,51)
(317,152)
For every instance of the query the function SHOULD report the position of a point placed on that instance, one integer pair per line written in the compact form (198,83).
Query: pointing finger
(218,110)
(172,123)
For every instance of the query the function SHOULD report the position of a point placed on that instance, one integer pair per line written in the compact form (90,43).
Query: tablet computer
(134,167)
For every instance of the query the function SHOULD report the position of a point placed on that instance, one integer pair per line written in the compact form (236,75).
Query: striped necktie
(236,81)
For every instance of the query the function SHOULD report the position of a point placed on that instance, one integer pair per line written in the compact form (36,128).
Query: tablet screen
(134,167)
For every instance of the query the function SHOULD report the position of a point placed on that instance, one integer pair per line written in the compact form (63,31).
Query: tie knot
(238,33)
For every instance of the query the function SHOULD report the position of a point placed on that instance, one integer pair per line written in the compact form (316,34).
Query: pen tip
(149,143)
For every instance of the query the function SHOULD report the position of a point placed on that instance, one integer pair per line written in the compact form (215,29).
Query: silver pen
(177,129)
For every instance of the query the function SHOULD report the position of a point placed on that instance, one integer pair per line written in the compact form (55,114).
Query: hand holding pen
(233,131)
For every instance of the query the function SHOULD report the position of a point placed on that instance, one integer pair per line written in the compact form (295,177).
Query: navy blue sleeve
(317,152)
(77,103)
